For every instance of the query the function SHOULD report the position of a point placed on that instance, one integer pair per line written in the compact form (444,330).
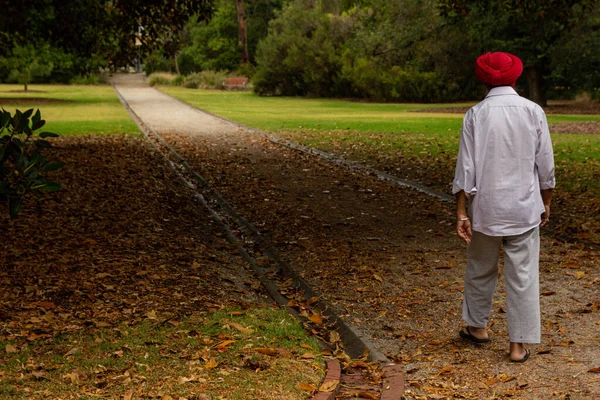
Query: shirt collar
(501,91)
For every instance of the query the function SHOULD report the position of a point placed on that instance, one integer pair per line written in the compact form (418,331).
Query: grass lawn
(76,109)
(229,354)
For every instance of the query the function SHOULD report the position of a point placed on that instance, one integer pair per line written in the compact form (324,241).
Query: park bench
(235,82)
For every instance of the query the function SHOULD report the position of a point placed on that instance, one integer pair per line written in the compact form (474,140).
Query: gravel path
(388,259)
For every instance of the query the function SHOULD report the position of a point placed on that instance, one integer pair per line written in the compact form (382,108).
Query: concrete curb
(334,373)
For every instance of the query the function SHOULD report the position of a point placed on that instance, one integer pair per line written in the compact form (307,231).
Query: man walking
(505,174)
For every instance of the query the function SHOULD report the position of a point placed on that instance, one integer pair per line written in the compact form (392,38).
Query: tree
(243,36)
(528,28)
(26,62)
(99,32)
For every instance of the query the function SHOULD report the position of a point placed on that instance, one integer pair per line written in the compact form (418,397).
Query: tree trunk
(535,85)
(25,86)
(243,37)
(177,64)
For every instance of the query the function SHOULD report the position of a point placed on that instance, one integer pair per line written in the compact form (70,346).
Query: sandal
(466,334)
(525,357)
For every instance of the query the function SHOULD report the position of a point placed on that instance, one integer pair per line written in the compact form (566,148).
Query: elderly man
(505,174)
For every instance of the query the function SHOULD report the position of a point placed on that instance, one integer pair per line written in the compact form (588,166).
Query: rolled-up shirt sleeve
(464,175)
(544,156)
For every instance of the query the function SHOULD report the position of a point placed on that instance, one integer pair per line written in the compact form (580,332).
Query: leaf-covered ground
(120,269)
(389,260)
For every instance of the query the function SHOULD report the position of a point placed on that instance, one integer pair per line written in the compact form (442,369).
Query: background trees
(407,50)
(531,29)
(85,35)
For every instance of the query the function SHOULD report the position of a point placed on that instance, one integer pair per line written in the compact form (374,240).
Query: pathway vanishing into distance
(384,257)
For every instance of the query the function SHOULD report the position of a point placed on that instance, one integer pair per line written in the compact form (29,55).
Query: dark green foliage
(387,51)
(302,53)
(213,45)
(531,29)
(157,62)
(86,35)
(22,166)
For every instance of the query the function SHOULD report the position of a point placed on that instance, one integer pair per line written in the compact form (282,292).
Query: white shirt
(505,158)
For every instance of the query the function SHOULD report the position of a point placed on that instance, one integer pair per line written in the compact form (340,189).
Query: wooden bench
(235,82)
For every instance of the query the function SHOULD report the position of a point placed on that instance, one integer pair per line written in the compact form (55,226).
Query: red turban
(498,69)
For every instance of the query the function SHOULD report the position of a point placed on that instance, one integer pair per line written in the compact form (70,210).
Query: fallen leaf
(549,293)
(223,345)
(241,328)
(594,370)
(316,318)
(11,349)
(47,305)
(182,380)
(76,377)
(307,386)
(367,395)
(491,381)
(580,274)
(39,375)
(236,313)
(572,265)
(447,368)
(329,386)
(151,314)
(74,350)
(211,363)
(308,356)
(269,351)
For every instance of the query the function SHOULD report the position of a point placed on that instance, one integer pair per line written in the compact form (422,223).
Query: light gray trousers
(521,278)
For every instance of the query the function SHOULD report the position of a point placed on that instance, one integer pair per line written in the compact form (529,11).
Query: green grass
(72,109)
(212,354)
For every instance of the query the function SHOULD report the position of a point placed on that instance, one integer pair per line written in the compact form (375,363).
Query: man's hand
(546,198)
(463,228)
(545,216)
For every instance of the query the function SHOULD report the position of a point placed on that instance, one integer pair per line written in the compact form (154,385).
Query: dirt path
(388,259)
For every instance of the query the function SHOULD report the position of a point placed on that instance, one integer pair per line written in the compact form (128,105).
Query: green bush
(178,80)
(156,62)
(193,81)
(213,79)
(89,79)
(160,78)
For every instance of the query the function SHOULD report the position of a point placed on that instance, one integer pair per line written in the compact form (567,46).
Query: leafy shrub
(206,80)
(22,167)
(89,79)
(178,80)
(156,62)
(213,79)
(193,81)
(160,78)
